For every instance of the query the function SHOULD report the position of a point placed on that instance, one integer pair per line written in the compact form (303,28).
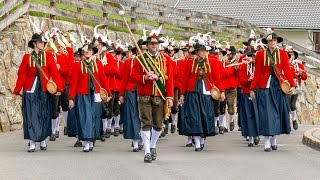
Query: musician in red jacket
(300,74)
(272,69)
(197,112)
(153,75)
(86,82)
(34,72)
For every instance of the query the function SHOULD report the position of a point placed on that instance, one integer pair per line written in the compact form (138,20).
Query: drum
(285,86)
(51,87)
(103,94)
(215,93)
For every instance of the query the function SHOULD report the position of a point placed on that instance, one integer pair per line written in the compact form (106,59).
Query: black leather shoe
(108,133)
(65,132)
(250,145)
(221,130)
(295,124)
(57,134)
(78,144)
(140,146)
(216,129)
(225,129)
(231,125)
(86,150)
(91,149)
(274,147)
(121,131)
(189,145)
(166,130)
(43,148)
(198,149)
(147,158)
(256,141)
(31,150)
(201,146)
(267,149)
(52,137)
(135,150)
(153,153)
(173,128)
(103,137)
(116,132)
(163,133)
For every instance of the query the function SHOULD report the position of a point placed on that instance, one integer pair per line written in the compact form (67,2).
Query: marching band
(109,88)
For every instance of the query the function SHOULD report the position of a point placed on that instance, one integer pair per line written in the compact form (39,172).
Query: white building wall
(299,37)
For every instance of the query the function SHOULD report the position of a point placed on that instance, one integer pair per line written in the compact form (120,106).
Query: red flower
(154,35)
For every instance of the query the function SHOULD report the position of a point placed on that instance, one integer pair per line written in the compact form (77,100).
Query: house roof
(293,14)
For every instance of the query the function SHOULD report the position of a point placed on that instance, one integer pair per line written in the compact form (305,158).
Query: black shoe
(250,145)
(193,141)
(65,131)
(216,129)
(231,125)
(274,147)
(135,150)
(189,145)
(52,137)
(198,149)
(221,130)
(148,158)
(153,153)
(166,130)
(57,134)
(108,133)
(121,131)
(31,150)
(103,137)
(173,128)
(201,146)
(225,129)
(90,148)
(256,141)
(43,148)
(112,133)
(295,124)
(140,146)
(116,132)
(78,144)
(267,149)
(163,134)
(86,150)
(239,129)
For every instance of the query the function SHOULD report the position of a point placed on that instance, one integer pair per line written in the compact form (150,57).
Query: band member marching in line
(88,85)
(272,71)
(37,75)
(300,74)
(153,75)
(248,107)
(202,79)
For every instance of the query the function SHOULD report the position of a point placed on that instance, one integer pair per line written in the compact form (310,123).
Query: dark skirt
(85,115)
(36,112)
(130,116)
(197,113)
(273,110)
(248,114)
(72,128)
(239,98)
(98,119)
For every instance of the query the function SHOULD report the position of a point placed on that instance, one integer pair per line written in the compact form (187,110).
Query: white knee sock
(109,122)
(146,141)
(293,115)
(112,128)
(86,145)
(65,118)
(43,143)
(251,139)
(32,144)
(216,119)
(154,138)
(121,126)
(223,120)
(189,140)
(105,124)
(201,140)
(116,121)
(58,123)
(231,118)
(274,140)
(197,141)
(91,144)
(267,143)
(53,125)
(135,143)
(173,117)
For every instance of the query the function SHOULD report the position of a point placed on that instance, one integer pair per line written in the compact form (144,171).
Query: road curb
(310,140)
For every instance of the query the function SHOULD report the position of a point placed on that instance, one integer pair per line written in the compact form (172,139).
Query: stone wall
(13,44)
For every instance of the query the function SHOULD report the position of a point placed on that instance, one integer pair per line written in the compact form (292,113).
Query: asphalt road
(225,157)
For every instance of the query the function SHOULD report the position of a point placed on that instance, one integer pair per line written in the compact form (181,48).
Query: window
(316,40)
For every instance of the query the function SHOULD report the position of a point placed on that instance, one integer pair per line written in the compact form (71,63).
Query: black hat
(197,47)
(217,50)
(88,47)
(132,48)
(251,52)
(36,37)
(270,37)
(154,39)
(290,49)
(231,50)
(140,42)
(246,43)
(170,48)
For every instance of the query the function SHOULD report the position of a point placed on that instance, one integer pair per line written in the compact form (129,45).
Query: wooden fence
(182,21)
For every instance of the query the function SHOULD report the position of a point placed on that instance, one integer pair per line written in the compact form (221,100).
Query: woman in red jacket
(299,74)
(271,69)
(87,76)
(36,105)
(197,112)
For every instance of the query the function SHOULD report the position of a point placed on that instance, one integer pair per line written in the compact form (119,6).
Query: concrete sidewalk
(311,138)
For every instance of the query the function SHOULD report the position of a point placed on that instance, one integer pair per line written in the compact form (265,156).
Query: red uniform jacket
(262,71)
(176,72)
(243,79)
(146,88)
(126,83)
(190,76)
(229,76)
(64,69)
(299,77)
(69,62)
(27,72)
(112,71)
(79,83)
(238,71)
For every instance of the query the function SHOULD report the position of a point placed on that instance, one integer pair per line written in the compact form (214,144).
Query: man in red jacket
(272,69)
(153,75)
(300,74)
